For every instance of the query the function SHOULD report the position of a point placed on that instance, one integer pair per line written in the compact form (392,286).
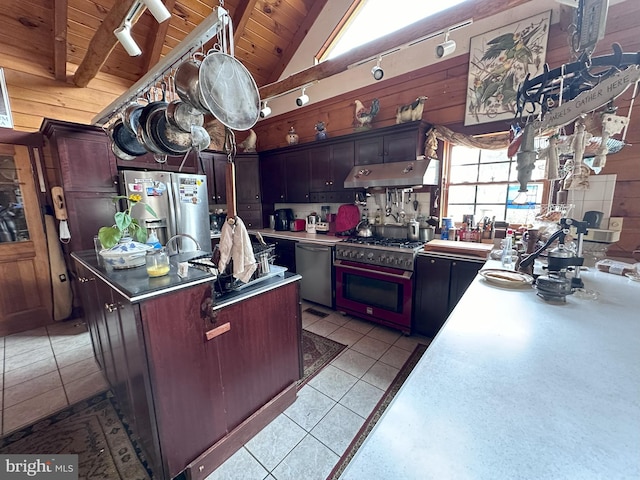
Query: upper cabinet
(399,143)
(315,172)
(83,156)
(248,193)
(330,165)
(285,176)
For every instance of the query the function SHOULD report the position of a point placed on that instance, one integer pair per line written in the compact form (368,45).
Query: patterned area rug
(317,351)
(382,405)
(94,431)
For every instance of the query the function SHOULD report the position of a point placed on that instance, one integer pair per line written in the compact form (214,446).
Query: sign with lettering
(590,100)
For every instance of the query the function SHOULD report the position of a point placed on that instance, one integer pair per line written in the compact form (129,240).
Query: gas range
(385,252)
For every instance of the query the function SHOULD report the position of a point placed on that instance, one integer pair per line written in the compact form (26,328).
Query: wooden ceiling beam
(60,39)
(288,53)
(158,35)
(102,43)
(451,16)
(240,18)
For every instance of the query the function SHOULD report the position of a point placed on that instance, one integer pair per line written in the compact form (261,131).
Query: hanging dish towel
(235,245)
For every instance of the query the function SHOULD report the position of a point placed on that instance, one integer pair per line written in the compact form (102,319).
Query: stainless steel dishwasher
(315,263)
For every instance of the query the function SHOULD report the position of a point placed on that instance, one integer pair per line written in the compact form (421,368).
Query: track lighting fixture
(266,110)
(376,71)
(302,99)
(157,9)
(123,34)
(445,48)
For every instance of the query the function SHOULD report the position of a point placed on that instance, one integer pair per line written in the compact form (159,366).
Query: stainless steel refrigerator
(180,202)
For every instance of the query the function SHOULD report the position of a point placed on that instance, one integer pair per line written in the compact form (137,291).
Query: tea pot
(413,230)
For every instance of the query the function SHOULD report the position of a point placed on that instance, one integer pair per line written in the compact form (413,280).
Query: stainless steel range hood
(396,174)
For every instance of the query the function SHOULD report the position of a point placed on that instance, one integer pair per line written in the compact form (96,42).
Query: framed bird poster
(498,63)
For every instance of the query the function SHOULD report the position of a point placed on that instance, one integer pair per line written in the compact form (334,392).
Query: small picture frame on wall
(6,121)
(499,61)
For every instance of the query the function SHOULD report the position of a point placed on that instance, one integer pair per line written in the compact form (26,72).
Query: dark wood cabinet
(272,175)
(440,283)
(248,191)
(248,179)
(330,165)
(194,380)
(86,170)
(285,252)
(215,164)
(400,143)
(187,163)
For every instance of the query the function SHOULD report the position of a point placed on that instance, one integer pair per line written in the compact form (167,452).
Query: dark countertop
(135,285)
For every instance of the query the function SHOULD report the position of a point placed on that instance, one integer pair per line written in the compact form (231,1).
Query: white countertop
(515,387)
(321,238)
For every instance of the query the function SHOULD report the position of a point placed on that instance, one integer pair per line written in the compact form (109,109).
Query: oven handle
(405,275)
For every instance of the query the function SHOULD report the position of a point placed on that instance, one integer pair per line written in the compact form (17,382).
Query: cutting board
(463,248)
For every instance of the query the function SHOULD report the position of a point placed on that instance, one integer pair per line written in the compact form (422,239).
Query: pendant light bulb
(158,10)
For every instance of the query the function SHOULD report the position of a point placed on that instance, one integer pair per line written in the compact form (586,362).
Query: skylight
(377,18)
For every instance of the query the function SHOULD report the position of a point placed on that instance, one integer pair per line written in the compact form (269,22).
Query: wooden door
(272,175)
(25,283)
(247,179)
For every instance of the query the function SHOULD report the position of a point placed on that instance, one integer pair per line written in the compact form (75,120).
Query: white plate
(506,278)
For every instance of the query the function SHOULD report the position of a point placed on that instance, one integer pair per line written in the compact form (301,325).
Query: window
(369,20)
(484,183)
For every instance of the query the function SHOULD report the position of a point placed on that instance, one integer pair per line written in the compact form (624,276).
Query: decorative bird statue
(364,116)
(411,112)
(249,143)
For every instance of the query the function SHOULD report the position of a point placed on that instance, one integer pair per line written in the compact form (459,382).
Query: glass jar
(157,262)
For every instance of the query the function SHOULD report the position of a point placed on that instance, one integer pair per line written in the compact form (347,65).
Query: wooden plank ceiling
(56,33)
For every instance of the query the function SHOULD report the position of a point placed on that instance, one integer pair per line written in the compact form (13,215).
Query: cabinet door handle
(453,264)
(257,197)
(110,307)
(432,261)
(214,332)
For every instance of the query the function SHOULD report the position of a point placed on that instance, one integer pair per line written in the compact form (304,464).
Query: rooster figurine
(365,116)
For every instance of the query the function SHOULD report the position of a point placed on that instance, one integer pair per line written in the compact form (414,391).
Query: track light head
(445,48)
(302,99)
(265,111)
(376,71)
(158,10)
(123,34)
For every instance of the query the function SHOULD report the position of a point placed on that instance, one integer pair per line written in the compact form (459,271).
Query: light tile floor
(45,369)
(308,439)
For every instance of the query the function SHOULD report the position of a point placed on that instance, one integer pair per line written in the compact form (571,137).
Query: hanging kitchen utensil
(144,126)
(131,117)
(126,141)
(169,139)
(229,91)
(183,115)
(120,154)
(187,82)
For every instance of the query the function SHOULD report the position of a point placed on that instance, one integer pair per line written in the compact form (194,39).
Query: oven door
(379,294)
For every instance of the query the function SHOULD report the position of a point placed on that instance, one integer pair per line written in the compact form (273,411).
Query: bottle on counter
(507,250)
(152,239)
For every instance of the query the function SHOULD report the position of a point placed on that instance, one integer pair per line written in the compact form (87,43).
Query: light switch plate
(615,223)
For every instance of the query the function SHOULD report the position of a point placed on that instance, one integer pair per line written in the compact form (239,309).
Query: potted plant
(124,242)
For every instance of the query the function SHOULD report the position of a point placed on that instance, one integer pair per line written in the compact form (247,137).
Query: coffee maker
(283,218)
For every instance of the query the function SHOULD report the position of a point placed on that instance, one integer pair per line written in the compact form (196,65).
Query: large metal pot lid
(229,91)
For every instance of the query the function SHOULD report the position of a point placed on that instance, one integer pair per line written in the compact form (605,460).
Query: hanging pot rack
(213,25)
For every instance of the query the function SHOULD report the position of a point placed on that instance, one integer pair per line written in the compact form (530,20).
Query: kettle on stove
(413,230)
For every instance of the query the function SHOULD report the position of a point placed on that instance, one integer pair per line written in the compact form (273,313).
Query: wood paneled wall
(445,84)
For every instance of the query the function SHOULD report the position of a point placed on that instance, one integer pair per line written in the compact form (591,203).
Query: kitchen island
(196,375)
(515,387)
